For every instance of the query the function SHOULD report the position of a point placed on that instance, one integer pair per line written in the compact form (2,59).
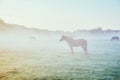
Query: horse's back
(82,41)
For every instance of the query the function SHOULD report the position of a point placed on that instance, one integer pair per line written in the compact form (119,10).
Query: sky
(67,15)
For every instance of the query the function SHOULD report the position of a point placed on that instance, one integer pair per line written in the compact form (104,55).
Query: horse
(115,38)
(75,43)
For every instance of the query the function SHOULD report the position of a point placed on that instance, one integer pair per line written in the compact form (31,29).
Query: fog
(23,39)
(49,57)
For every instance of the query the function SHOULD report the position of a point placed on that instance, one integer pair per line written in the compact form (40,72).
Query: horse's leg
(71,49)
(85,46)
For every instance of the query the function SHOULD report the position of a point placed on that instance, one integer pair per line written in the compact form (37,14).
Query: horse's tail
(84,45)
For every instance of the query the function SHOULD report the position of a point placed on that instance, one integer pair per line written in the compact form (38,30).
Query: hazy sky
(62,14)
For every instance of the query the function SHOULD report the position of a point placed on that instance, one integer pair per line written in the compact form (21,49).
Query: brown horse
(75,43)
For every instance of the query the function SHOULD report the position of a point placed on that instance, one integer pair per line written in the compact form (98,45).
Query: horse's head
(62,38)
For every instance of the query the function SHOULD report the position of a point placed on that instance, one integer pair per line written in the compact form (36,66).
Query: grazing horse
(75,43)
(115,38)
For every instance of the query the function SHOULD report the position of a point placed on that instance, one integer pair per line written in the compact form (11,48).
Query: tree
(2,21)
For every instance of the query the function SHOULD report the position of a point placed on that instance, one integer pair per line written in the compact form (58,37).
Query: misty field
(43,57)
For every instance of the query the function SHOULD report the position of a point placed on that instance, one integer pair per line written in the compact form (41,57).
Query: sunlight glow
(62,14)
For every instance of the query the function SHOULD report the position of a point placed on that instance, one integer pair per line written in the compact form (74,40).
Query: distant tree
(2,21)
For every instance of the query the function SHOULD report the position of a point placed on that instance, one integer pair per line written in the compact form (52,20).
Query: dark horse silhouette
(115,38)
(75,43)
